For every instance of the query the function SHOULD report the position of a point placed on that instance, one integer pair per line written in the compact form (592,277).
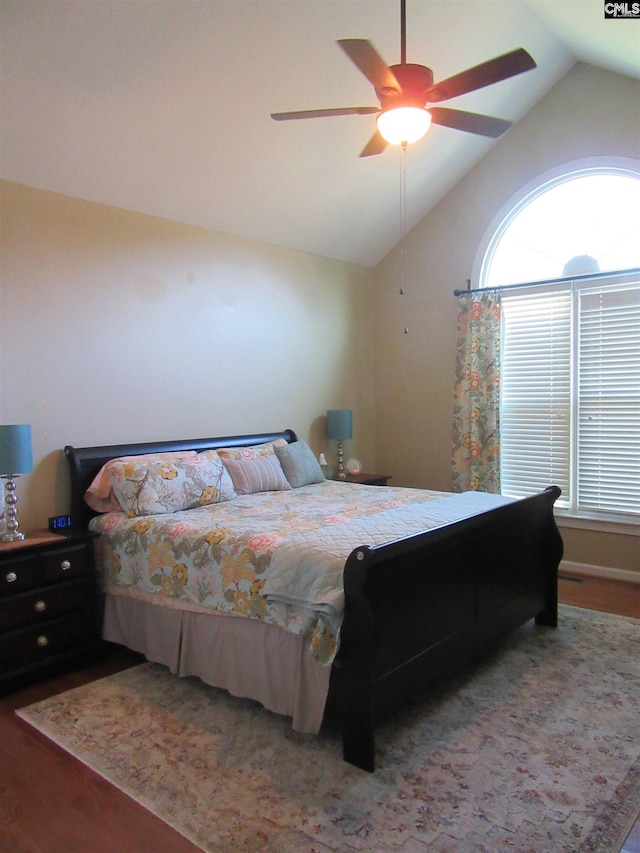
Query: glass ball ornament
(353,466)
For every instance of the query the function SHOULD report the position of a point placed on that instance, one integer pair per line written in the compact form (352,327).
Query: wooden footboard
(420,608)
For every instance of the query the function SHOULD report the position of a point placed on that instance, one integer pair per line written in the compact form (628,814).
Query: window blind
(535,411)
(608,471)
(570,395)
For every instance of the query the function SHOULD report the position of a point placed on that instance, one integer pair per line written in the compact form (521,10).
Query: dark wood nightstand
(365,479)
(49,614)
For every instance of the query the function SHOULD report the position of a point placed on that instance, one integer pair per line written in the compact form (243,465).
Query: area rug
(535,750)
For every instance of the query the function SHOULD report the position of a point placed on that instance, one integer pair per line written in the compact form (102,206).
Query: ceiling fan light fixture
(403,124)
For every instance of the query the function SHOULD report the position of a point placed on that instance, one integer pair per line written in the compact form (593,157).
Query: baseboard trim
(570,568)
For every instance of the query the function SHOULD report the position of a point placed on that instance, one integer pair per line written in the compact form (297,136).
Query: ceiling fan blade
(339,111)
(364,55)
(469,122)
(482,75)
(375,145)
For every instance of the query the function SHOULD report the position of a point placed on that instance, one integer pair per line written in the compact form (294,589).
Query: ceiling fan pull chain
(403,228)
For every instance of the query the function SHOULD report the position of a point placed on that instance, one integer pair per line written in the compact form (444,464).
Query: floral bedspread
(236,556)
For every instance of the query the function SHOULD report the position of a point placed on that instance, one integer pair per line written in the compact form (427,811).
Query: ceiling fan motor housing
(415,82)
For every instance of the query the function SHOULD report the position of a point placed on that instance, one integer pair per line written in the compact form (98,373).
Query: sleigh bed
(439,579)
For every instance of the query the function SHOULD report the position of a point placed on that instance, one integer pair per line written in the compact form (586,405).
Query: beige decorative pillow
(100,496)
(248,452)
(159,486)
(258,474)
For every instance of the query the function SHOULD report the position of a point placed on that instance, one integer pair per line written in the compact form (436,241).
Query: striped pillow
(261,474)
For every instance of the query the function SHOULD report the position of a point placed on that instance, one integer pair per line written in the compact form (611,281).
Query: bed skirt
(250,659)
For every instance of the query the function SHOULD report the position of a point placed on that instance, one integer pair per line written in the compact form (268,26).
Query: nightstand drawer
(43,567)
(61,564)
(45,641)
(18,574)
(43,605)
(365,479)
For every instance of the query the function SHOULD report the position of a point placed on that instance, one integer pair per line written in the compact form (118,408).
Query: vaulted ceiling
(163,106)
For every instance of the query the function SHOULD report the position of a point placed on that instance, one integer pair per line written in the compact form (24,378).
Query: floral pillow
(145,487)
(100,496)
(258,474)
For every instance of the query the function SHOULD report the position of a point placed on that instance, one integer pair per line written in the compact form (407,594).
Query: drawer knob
(12,577)
(40,606)
(65,565)
(42,641)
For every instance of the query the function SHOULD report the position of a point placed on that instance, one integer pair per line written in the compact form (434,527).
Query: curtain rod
(586,277)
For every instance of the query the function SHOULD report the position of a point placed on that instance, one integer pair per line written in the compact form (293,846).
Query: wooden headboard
(85,462)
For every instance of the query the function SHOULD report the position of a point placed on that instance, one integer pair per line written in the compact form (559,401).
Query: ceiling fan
(405,90)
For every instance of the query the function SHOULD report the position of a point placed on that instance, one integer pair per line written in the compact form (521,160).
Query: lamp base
(13,537)
(12,533)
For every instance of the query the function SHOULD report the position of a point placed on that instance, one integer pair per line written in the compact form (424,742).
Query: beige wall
(119,327)
(589,113)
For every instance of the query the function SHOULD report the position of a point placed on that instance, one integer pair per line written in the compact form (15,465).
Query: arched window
(570,345)
(583,221)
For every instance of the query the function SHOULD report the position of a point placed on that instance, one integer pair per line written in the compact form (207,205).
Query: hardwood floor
(611,597)
(596,594)
(51,803)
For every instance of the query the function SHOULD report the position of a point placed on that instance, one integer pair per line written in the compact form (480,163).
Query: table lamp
(15,458)
(339,428)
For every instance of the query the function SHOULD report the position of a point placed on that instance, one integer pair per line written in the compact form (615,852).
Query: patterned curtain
(476,408)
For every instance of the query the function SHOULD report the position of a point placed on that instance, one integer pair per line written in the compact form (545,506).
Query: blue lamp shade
(15,449)
(339,424)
